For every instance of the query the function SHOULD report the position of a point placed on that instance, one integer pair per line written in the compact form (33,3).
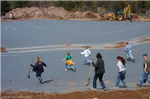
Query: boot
(41,80)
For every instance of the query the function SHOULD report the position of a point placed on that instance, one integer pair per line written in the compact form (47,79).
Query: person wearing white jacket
(86,54)
(122,72)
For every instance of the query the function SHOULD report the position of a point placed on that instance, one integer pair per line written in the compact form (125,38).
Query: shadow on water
(48,81)
(146,86)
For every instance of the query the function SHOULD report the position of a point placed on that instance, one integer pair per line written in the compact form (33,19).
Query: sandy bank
(3,50)
(58,13)
(143,93)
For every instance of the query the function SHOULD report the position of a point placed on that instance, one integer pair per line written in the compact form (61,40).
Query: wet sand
(106,46)
(3,50)
(143,93)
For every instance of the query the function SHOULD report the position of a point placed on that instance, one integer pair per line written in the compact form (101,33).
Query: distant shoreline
(59,13)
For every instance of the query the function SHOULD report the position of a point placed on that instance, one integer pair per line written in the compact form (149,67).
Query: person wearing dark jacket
(39,69)
(99,71)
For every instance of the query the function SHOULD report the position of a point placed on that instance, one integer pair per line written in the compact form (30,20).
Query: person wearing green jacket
(67,67)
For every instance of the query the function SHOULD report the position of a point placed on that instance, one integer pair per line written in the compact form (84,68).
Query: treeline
(95,6)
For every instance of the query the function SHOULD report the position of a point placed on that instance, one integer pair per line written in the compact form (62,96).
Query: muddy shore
(143,93)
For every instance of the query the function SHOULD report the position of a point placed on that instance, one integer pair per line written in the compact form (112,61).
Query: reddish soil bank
(59,13)
(144,40)
(3,50)
(120,44)
(143,93)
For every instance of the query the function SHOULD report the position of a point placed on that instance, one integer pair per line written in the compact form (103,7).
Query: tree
(5,7)
(20,4)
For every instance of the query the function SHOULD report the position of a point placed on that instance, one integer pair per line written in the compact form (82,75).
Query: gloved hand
(31,65)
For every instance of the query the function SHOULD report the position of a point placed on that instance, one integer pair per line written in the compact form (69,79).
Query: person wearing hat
(128,50)
(38,68)
(86,54)
(146,70)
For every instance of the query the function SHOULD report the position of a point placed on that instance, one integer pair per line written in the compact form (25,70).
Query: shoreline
(26,19)
(140,93)
(59,13)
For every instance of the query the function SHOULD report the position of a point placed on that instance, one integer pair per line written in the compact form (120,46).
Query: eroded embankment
(143,93)
(59,13)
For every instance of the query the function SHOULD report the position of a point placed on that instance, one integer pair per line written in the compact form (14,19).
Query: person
(99,72)
(128,50)
(69,64)
(146,70)
(86,54)
(11,15)
(38,68)
(121,72)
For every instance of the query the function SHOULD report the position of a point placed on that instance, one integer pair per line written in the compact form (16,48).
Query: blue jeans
(121,76)
(143,77)
(38,75)
(129,54)
(69,67)
(100,76)
(66,66)
(86,60)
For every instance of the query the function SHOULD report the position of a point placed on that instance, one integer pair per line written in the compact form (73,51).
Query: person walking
(86,54)
(38,68)
(99,72)
(128,50)
(146,70)
(121,72)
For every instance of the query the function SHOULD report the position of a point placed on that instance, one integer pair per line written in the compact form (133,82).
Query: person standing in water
(128,50)
(38,68)
(69,64)
(86,54)
(146,70)
(99,72)
(121,72)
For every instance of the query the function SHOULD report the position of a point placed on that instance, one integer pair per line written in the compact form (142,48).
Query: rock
(90,15)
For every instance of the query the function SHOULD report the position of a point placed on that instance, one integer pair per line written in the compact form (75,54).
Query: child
(38,68)
(69,65)
(86,54)
(128,51)
(121,71)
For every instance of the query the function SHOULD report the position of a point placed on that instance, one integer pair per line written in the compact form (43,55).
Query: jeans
(69,67)
(129,54)
(66,66)
(86,60)
(143,77)
(100,76)
(38,75)
(121,76)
